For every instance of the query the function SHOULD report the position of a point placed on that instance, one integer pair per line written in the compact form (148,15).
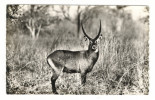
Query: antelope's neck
(91,53)
(92,57)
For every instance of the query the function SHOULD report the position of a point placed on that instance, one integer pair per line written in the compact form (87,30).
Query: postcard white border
(76,2)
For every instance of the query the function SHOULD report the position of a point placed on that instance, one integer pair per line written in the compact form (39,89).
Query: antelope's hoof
(83,84)
(55,92)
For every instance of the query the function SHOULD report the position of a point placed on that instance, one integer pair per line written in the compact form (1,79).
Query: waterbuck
(74,61)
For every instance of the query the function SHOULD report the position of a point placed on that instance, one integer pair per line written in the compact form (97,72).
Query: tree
(32,24)
(65,11)
(35,18)
(12,11)
(12,17)
(78,20)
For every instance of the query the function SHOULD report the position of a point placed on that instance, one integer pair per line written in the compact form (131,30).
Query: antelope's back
(69,59)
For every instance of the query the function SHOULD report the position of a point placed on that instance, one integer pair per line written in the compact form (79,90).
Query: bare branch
(65,14)
(55,10)
(39,30)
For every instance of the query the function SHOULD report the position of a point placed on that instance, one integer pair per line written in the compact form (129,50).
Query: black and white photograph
(77,49)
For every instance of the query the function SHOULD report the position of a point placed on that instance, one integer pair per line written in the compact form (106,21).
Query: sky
(136,11)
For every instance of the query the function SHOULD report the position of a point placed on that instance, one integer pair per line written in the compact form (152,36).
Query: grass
(122,67)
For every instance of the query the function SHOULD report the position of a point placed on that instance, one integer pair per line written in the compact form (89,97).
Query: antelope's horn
(98,32)
(85,33)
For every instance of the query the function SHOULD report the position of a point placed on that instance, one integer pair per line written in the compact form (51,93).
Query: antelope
(74,61)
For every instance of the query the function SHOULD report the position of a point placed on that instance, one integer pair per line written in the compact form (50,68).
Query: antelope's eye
(93,47)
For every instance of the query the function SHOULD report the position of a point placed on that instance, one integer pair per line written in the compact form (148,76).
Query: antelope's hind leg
(53,80)
(56,73)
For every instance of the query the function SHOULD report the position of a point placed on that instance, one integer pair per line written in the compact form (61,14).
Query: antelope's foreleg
(83,78)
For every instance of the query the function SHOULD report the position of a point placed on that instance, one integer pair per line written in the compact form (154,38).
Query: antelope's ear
(97,41)
(85,38)
(100,37)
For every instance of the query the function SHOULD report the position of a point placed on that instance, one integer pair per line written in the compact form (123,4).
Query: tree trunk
(33,34)
(78,21)
(38,31)
(78,25)
(31,27)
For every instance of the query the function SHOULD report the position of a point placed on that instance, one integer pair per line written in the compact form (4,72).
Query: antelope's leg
(56,68)
(53,80)
(83,78)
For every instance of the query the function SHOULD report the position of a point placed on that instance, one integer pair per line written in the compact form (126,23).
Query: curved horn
(85,33)
(98,32)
